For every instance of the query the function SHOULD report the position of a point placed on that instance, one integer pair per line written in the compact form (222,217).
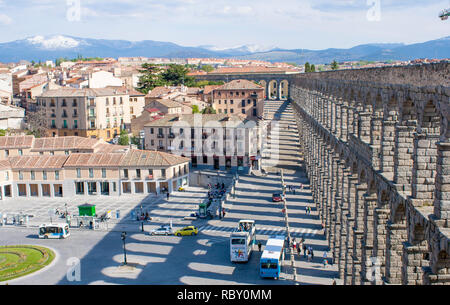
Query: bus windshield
(238,241)
(268,265)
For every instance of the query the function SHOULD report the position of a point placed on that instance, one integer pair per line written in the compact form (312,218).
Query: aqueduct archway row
(277,86)
(378,158)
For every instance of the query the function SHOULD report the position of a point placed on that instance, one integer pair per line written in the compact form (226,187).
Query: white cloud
(5,19)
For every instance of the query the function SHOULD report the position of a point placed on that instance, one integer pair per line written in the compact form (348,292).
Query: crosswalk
(295,232)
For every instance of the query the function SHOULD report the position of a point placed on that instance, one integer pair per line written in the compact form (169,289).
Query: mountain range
(51,47)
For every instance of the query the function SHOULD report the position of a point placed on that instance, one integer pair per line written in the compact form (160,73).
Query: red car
(277,197)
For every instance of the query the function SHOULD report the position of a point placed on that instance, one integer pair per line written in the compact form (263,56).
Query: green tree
(207,68)
(313,68)
(334,65)
(150,78)
(209,110)
(124,140)
(307,67)
(176,75)
(195,109)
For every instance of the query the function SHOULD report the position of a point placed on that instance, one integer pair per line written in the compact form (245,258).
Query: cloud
(5,19)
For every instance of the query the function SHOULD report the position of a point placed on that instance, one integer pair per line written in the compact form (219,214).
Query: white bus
(59,230)
(242,241)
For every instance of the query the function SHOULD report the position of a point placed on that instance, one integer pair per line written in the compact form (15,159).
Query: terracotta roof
(85,92)
(125,90)
(168,103)
(39,162)
(94,160)
(240,84)
(158,92)
(16,142)
(108,148)
(225,120)
(151,158)
(5,164)
(209,88)
(63,143)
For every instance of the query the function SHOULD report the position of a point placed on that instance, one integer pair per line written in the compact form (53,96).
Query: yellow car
(190,230)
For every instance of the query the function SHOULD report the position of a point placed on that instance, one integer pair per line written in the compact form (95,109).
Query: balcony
(171,136)
(53,115)
(160,147)
(75,115)
(160,136)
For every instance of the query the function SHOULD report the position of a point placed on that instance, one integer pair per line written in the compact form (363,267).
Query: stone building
(377,152)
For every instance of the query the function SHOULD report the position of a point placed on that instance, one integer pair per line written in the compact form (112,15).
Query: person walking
(312,252)
(293,190)
(309,255)
(298,249)
(168,195)
(325,259)
(304,251)
(259,246)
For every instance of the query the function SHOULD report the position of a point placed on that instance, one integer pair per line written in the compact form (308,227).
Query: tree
(313,68)
(176,75)
(209,110)
(334,65)
(36,123)
(124,140)
(150,78)
(195,109)
(307,67)
(207,68)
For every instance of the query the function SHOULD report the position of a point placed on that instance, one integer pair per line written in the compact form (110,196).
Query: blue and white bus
(272,257)
(60,230)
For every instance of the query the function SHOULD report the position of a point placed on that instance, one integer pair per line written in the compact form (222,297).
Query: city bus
(60,230)
(272,257)
(242,241)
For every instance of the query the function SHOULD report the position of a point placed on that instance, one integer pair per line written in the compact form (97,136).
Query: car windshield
(276,195)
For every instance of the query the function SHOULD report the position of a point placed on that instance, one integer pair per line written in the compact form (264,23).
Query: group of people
(143,216)
(292,188)
(217,192)
(308,210)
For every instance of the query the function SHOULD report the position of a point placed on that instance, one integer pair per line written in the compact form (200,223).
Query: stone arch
(284,89)
(272,93)
(430,119)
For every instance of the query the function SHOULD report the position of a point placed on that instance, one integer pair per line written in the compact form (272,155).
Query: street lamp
(123,237)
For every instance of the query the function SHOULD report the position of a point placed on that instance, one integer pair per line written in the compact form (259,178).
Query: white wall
(103,79)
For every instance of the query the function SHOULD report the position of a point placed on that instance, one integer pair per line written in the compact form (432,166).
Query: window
(91,173)
(66,152)
(103,172)
(163,173)
(243,111)
(243,103)
(78,172)
(44,175)
(231,110)
(6,153)
(7,175)
(114,187)
(20,152)
(56,175)
(20,175)
(125,173)
(150,172)
(33,177)
(138,173)
(152,131)
(254,112)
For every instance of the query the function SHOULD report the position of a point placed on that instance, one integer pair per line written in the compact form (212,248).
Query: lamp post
(123,237)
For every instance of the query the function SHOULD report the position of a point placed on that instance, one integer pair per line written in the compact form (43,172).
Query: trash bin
(118,214)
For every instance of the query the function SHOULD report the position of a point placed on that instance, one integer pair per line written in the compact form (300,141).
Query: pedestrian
(168,195)
(325,257)
(298,248)
(309,256)
(259,246)
(334,282)
(304,251)
(312,253)
(293,246)
(293,190)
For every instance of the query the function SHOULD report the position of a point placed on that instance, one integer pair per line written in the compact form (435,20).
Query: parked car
(189,230)
(163,230)
(277,197)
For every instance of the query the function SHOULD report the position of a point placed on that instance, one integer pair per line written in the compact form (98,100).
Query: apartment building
(92,113)
(216,141)
(239,97)
(92,174)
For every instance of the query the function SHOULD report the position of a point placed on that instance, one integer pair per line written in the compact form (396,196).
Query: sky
(290,24)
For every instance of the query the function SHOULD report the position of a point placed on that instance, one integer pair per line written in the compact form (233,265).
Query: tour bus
(242,240)
(60,230)
(272,257)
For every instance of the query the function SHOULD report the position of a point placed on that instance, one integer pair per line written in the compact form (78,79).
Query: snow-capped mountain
(54,42)
(56,46)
